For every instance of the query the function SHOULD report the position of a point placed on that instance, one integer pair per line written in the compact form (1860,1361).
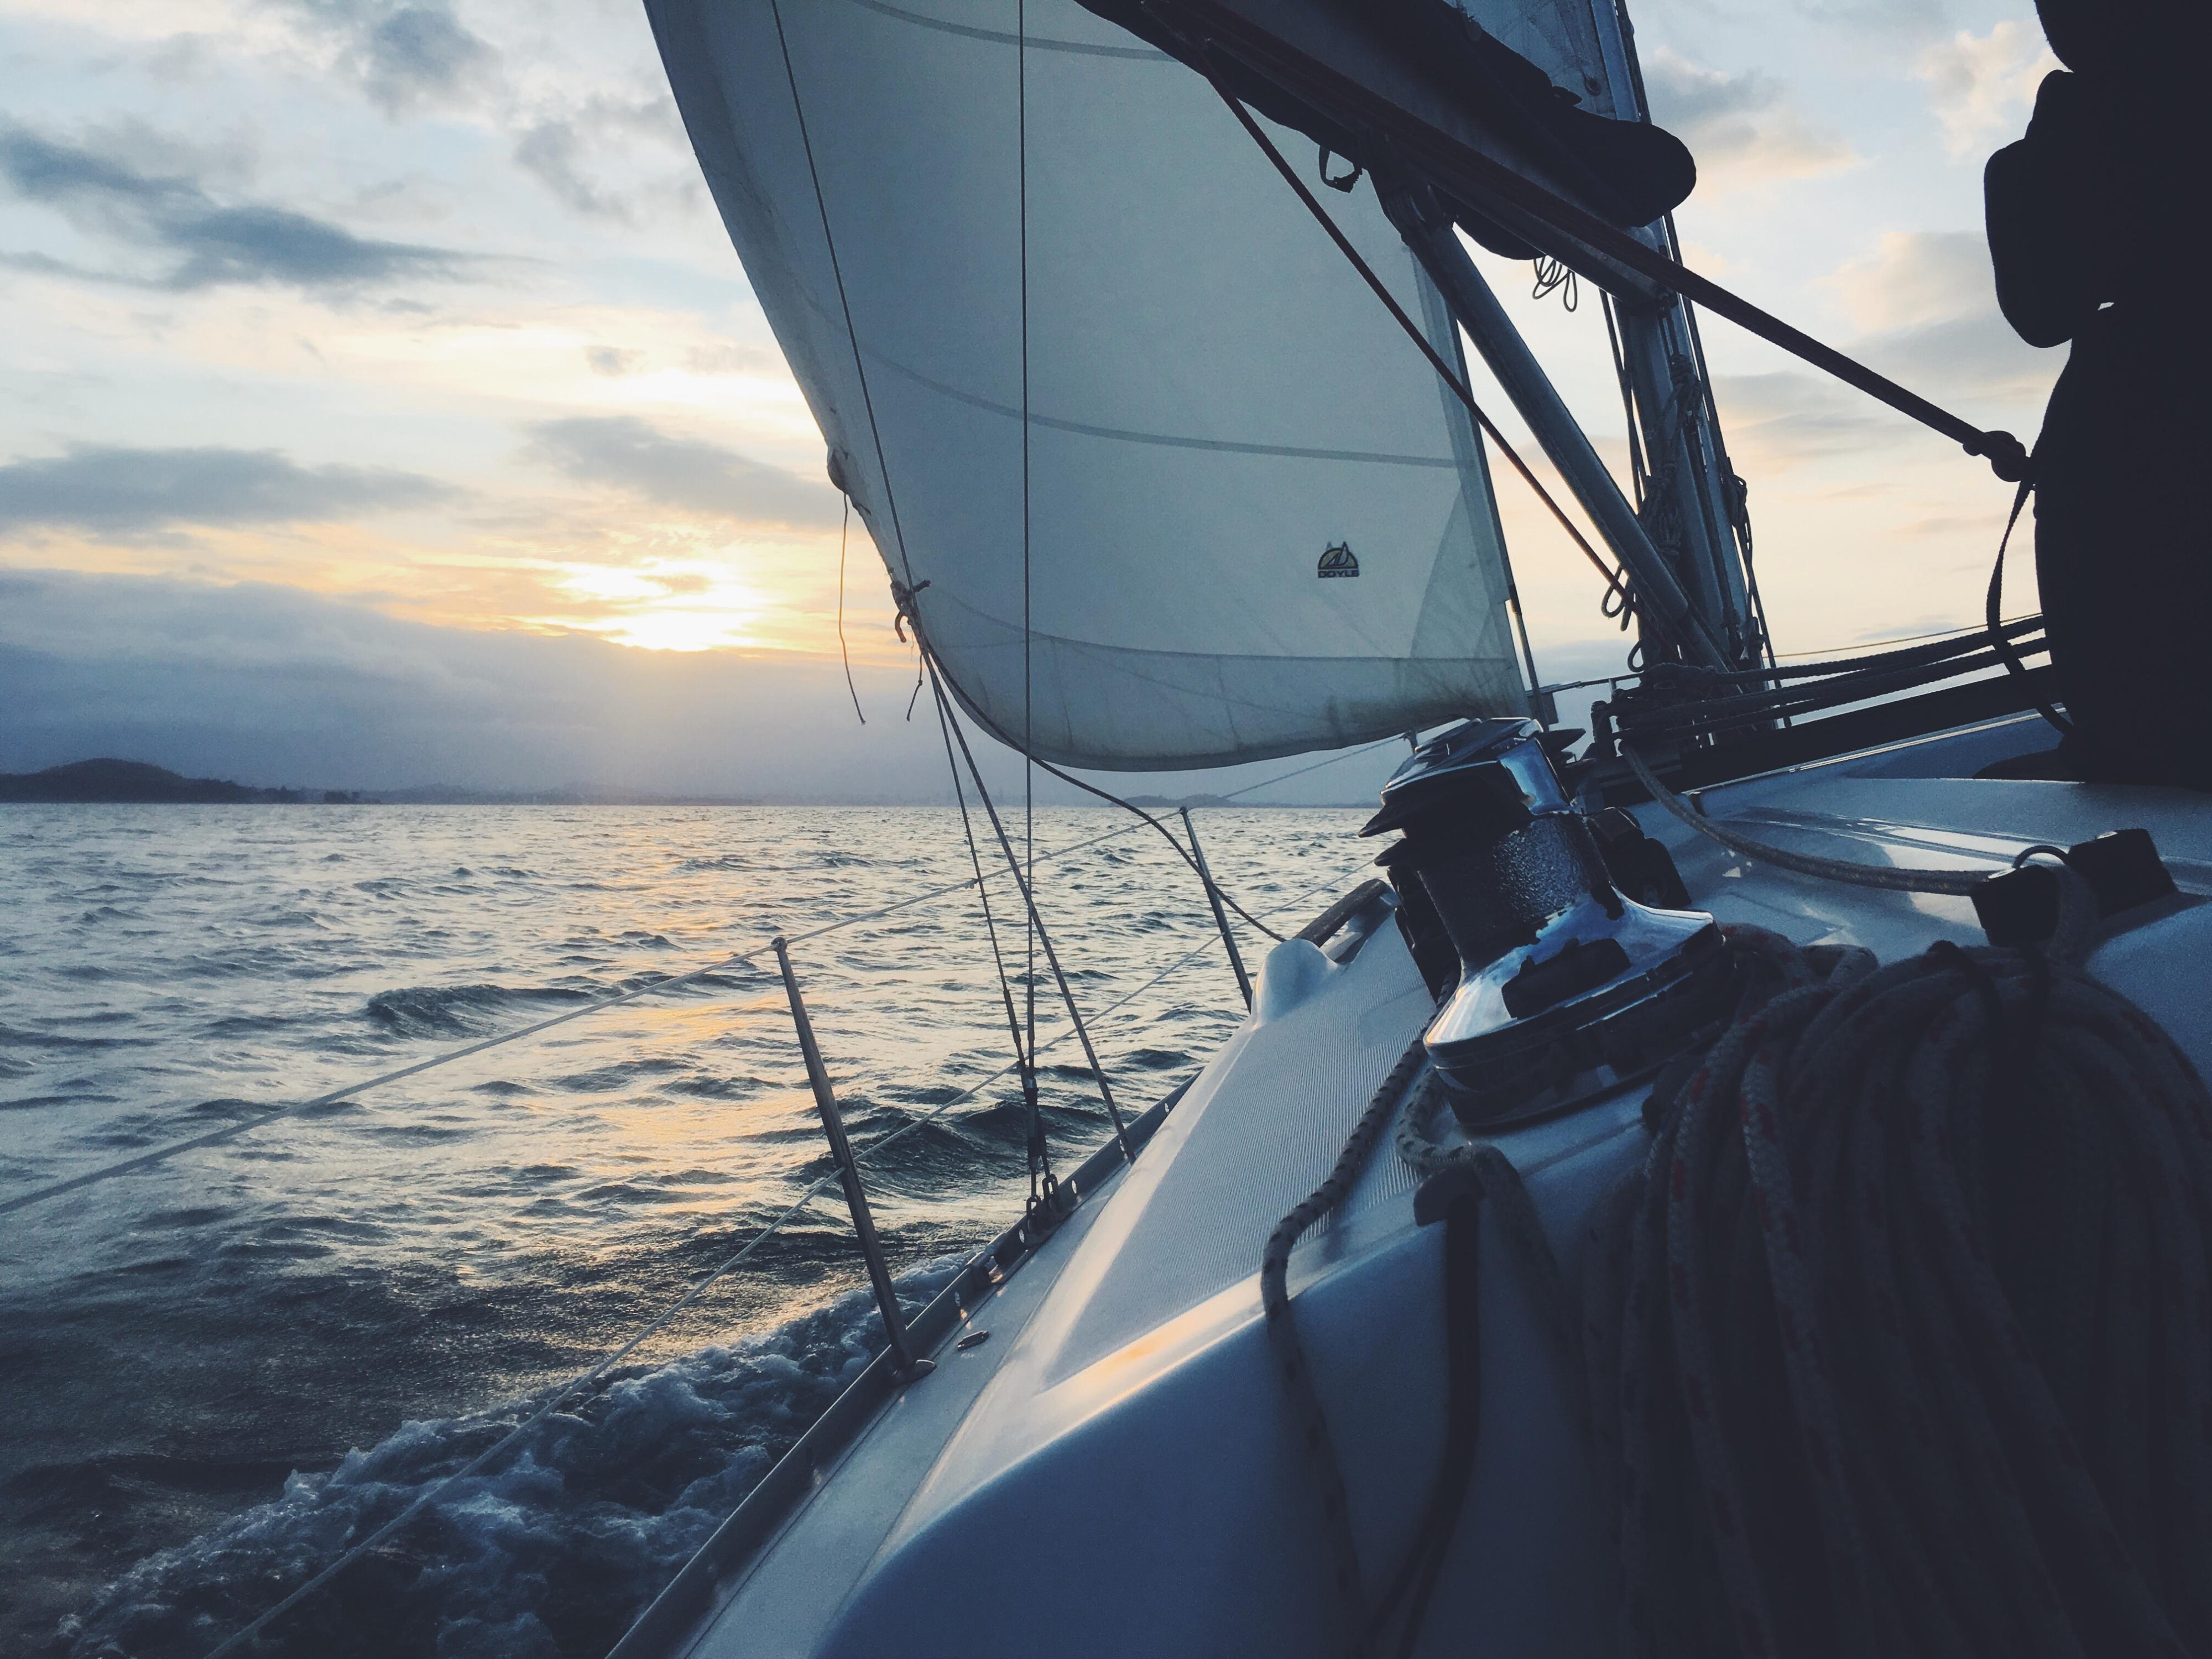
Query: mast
(1694,503)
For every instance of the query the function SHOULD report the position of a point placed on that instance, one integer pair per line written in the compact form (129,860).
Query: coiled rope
(1900,1341)
(1309,1419)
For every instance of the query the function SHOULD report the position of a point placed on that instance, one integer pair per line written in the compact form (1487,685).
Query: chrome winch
(1553,984)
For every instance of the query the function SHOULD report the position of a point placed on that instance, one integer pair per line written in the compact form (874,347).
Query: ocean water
(219,1372)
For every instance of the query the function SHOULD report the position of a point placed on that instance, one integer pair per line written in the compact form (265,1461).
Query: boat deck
(1111,1470)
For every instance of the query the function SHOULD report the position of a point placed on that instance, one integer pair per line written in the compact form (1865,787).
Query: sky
(383,405)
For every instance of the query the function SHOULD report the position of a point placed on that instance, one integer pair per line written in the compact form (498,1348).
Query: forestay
(1223,425)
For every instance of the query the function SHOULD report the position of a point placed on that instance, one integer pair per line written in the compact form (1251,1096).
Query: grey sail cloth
(1224,424)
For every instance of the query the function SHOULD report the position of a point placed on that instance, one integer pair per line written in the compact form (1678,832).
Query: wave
(550,1553)
(456,1010)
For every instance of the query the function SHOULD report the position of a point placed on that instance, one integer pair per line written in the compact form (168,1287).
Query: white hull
(1113,1470)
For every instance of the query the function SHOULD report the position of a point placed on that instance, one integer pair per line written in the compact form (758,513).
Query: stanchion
(1220,915)
(833,1126)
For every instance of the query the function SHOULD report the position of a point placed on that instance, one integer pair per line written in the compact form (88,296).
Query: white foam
(550,1552)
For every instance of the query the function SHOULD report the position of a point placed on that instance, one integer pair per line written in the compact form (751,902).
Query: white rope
(1957,882)
(569,1390)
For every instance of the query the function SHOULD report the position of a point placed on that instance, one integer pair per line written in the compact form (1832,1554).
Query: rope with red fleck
(1900,1342)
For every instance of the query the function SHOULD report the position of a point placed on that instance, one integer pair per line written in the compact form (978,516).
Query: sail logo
(1338,560)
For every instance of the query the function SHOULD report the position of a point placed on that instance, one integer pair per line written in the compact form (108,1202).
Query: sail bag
(1251,520)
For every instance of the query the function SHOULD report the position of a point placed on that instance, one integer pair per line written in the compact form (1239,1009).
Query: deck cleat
(1563,986)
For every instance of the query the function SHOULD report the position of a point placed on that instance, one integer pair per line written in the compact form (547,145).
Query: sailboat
(1495,1285)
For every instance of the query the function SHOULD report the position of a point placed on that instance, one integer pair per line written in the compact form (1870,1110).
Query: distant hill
(127,781)
(111,782)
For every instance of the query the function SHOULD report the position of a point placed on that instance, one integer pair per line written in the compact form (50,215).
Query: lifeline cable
(1893,654)
(1347,754)
(566,1392)
(738,959)
(1830,687)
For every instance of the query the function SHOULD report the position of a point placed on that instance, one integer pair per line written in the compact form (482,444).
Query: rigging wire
(1032,1108)
(1638,471)
(1616,582)
(1028,898)
(1740,492)
(564,1393)
(1706,717)
(1021,1049)
(737,960)
(844,532)
(844,303)
(1169,836)
(1345,755)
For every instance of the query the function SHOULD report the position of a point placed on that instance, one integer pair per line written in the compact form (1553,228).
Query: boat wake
(552,1552)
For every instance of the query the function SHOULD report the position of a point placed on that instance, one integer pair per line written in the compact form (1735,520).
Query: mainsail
(1256,522)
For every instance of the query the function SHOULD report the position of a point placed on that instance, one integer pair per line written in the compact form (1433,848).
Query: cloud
(1892,18)
(611,362)
(1742,128)
(204,243)
(1983,85)
(415,55)
(731,360)
(1927,305)
(272,684)
(422,54)
(1915,277)
(554,149)
(116,490)
(551,152)
(1977,358)
(631,454)
(1777,421)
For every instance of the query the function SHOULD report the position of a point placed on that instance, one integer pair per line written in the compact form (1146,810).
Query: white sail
(1221,415)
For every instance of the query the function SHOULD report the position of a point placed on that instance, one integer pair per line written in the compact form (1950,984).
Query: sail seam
(1084,428)
(1000,38)
(844,302)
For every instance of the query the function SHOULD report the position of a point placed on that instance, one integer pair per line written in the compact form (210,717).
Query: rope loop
(1900,1339)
